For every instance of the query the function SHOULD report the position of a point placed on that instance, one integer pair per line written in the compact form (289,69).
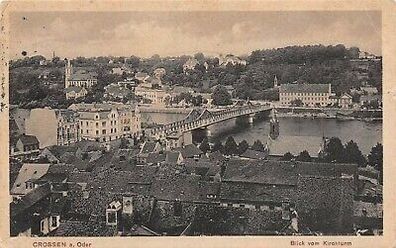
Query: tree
(200,57)
(287,156)
(243,146)
(297,103)
(375,158)
(230,146)
(218,146)
(334,151)
(220,96)
(353,154)
(304,156)
(258,146)
(204,146)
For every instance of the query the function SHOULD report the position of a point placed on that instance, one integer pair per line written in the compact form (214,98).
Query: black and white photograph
(195,123)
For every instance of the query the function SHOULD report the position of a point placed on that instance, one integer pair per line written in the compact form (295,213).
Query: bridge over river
(202,118)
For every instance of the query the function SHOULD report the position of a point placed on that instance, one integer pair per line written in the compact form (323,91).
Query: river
(365,134)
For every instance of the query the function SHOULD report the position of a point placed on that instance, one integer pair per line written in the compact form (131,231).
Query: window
(54,221)
(111,217)
(97,124)
(103,124)
(42,225)
(177,208)
(104,131)
(97,132)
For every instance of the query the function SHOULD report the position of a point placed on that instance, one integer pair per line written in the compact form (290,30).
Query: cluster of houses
(41,127)
(84,189)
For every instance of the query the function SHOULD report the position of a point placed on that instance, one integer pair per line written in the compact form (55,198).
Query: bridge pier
(251,118)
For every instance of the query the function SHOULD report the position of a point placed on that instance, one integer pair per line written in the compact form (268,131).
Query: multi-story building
(107,122)
(53,126)
(311,95)
(78,79)
(156,96)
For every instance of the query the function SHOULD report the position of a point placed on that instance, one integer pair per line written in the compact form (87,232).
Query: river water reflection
(365,134)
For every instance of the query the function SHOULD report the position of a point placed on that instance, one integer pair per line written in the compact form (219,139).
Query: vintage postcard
(197,124)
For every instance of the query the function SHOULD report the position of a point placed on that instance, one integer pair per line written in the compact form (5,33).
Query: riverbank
(329,113)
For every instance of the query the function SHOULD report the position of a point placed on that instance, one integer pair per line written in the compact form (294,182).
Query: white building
(74,92)
(311,95)
(231,59)
(156,96)
(107,122)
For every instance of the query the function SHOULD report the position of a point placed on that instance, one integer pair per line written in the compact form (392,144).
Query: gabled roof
(203,167)
(253,154)
(282,172)
(148,147)
(29,199)
(82,75)
(172,157)
(189,151)
(26,173)
(178,187)
(156,157)
(28,140)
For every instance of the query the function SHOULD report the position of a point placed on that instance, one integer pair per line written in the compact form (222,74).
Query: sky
(72,34)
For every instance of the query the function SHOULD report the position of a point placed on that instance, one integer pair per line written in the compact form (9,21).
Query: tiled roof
(148,147)
(251,192)
(75,89)
(281,172)
(26,173)
(203,167)
(295,145)
(72,228)
(135,181)
(28,140)
(82,75)
(59,151)
(189,151)
(29,199)
(156,157)
(172,157)
(253,154)
(305,88)
(367,209)
(177,187)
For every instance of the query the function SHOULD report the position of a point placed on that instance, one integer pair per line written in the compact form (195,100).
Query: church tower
(275,82)
(274,126)
(68,73)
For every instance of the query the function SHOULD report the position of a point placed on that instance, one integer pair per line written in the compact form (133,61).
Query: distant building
(190,64)
(117,91)
(369,90)
(231,59)
(74,92)
(79,78)
(27,178)
(159,72)
(156,96)
(345,101)
(141,76)
(311,95)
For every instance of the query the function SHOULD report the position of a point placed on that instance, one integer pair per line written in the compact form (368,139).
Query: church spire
(275,82)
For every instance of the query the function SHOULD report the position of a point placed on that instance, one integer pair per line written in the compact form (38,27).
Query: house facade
(311,95)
